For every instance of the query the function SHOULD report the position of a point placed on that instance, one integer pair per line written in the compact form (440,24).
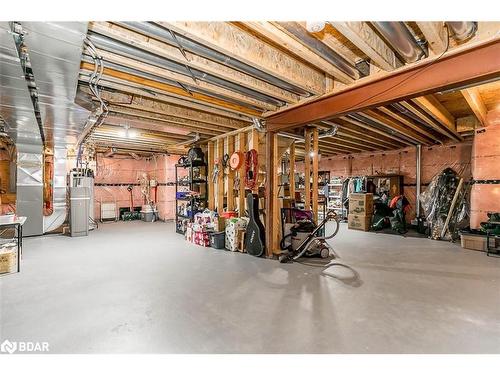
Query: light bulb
(315,26)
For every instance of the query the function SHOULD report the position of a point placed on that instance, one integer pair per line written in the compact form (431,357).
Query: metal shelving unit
(197,183)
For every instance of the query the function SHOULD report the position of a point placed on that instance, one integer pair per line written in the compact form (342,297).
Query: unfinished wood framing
(234,42)
(455,68)
(210,171)
(230,174)
(476,103)
(370,43)
(436,35)
(192,60)
(315,166)
(220,177)
(428,119)
(307,168)
(241,193)
(433,107)
(278,36)
(272,217)
(291,177)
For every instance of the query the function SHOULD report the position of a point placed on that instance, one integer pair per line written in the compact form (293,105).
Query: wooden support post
(307,169)
(253,143)
(272,217)
(242,143)
(230,175)
(315,165)
(292,171)
(210,170)
(220,177)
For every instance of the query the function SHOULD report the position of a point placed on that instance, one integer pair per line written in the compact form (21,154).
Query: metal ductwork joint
(401,39)
(462,31)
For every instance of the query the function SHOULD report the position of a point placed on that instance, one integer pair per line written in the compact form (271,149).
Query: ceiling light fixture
(315,26)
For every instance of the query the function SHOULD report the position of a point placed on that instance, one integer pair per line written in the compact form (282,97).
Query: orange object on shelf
(228,214)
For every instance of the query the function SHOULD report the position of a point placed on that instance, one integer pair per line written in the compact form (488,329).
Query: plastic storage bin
(218,240)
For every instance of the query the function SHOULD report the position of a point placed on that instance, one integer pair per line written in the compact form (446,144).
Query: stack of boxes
(360,211)
(198,232)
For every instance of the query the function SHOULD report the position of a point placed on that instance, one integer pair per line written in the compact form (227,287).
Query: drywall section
(403,162)
(114,174)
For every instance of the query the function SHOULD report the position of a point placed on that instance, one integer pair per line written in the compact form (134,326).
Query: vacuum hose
(330,216)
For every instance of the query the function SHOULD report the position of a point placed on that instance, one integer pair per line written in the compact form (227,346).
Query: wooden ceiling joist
(370,128)
(433,107)
(149,125)
(394,114)
(388,122)
(370,43)
(435,34)
(364,140)
(168,109)
(339,140)
(427,119)
(121,86)
(455,68)
(182,123)
(172,89)
(280,37)
(365,134)
(193,61)
(235,43)
(475,103)
(186,80)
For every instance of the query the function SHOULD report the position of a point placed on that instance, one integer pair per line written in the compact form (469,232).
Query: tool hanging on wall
(215,171)
(236,160)
(251,169)
(225,161)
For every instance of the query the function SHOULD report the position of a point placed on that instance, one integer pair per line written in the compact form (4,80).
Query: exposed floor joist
(475,102)
(237,44)
(192,60)
(370,43)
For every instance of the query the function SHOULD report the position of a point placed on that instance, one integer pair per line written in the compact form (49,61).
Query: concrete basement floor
(138,287)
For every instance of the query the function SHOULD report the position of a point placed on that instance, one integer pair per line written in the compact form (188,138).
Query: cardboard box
(477,242)
(359,222)
(8,259)
(361,204)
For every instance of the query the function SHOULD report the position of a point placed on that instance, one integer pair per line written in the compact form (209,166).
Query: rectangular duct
(29,201)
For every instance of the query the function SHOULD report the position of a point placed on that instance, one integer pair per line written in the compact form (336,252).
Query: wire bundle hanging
(93,83)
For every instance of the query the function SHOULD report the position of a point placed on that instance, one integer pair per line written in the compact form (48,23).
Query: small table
(17,222)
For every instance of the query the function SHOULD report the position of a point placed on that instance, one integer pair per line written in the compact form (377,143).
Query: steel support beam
(454,69)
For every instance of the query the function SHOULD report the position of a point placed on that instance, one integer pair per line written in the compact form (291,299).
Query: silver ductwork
(401,39)
(55,50)
(16,108)
(317,46)
(462,31)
